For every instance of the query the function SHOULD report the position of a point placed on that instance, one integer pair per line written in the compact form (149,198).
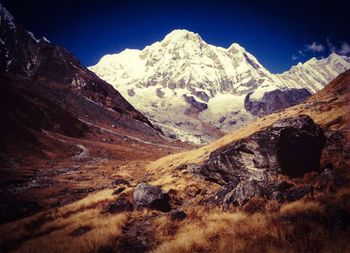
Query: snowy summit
(204,85)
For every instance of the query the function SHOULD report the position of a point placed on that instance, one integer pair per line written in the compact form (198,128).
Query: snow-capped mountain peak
(205,86)
(314,74)
(181,35)
(235,46)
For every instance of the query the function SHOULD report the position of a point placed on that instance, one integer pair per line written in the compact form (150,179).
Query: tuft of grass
(56,231)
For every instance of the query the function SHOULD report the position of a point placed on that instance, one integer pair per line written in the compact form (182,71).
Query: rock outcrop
(195,106)
(275,100)
(57,73)
(245,190)
(190,71)
(152,197)
(291,146)
(248,168)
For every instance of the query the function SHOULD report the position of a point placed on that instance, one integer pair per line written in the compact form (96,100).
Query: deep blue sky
(273,31)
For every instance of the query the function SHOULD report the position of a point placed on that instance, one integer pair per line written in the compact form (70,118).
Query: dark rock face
(248,167)
(160,93)
(21,108)
(120,182)
(275,100)
(202,95)
(153,197)
(242,192)
(178,215)
(291,146)
(118,190)
(55,70)
(195,106)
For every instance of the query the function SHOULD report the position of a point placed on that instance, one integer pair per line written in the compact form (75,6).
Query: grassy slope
(260,226)
(330,108)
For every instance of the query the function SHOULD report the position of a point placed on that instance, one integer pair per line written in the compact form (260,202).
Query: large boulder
(291,146)
(150,196)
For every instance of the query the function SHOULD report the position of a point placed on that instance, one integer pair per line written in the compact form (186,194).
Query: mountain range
(83,170)
(52,90)
(209,90)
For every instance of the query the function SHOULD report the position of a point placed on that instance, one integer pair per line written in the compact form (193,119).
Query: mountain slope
(44,87)
(329,108)
(200,219)
(21,54)
(315,74)
(206,86)
(64,131)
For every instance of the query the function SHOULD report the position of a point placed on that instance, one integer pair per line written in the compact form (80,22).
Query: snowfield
(157,80)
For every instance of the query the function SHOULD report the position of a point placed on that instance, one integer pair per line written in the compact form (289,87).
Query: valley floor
(75,167)
(78,201)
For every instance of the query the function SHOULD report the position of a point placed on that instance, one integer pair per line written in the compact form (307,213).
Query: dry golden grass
(200,155)
(77,227)
(328,109)
(301,226)
(260,226)
(300,206)
(104,233)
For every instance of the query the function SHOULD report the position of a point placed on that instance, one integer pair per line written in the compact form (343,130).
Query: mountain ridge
(22,54)
(161,76)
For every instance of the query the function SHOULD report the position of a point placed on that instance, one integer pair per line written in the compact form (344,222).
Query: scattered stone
(122,204)
(193,168)
(195,106)
(152,197)
(232,122)
(178,215)
(118,190)
(192,190)
(160,93)
(131,92)
(222,119)
(121,181)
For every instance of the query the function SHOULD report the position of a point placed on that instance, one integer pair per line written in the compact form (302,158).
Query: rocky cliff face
(275,100)
(249,167)
(291,146)
(161,77)
(58,72)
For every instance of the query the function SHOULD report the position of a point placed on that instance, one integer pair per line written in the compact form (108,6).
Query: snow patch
(46,40)
(33,37)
